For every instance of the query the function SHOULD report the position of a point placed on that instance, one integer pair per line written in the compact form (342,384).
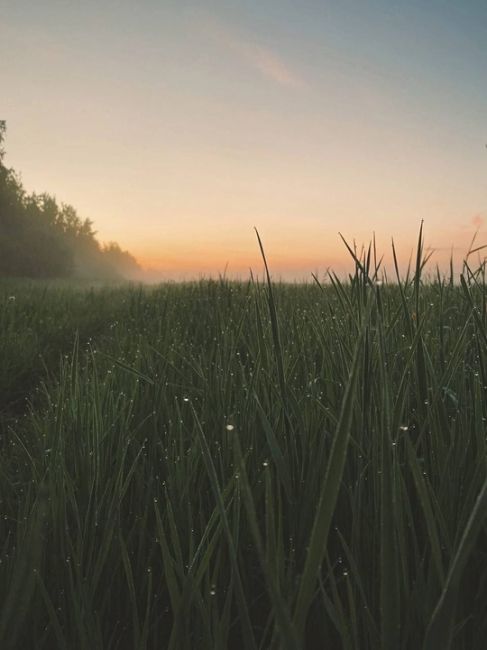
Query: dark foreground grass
(220,465)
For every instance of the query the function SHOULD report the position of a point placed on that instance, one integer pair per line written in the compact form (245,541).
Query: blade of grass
(328,494)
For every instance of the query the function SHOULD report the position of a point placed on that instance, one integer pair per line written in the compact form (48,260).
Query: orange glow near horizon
(215,261)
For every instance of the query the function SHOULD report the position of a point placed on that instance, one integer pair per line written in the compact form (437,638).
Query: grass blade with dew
(329,492)
(248,634)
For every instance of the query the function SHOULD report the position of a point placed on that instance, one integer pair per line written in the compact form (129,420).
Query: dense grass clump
(244,465)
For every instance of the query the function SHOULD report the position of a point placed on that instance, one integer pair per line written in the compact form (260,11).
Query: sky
(178,127)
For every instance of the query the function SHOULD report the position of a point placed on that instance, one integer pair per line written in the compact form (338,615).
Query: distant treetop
(40,238)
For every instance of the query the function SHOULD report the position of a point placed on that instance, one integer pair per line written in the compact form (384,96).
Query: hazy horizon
(177,129)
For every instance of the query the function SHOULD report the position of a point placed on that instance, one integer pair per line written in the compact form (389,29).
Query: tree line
(40,238)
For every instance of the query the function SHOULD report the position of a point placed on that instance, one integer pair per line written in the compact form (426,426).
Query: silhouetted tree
(39,238)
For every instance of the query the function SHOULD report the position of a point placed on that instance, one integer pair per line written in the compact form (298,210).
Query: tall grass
(246,465)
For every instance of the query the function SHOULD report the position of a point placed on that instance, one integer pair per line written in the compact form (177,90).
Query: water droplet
(229,427)
(265,463)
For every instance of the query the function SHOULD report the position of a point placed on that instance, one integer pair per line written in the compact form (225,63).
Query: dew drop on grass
(265,463)
(213,590)
(185,399)
(229,427)
(404,427)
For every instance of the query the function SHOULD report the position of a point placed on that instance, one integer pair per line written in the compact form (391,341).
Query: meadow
(250,465)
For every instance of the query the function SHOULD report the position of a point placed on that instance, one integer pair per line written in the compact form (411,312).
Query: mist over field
(283,465)
(41,239)
(243,325)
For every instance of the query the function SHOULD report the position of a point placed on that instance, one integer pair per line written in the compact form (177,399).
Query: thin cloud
(263,59)
(268,63)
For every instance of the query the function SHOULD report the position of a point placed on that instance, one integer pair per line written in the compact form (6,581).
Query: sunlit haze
(179,126)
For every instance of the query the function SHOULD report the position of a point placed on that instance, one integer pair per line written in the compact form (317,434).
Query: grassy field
(242,465)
